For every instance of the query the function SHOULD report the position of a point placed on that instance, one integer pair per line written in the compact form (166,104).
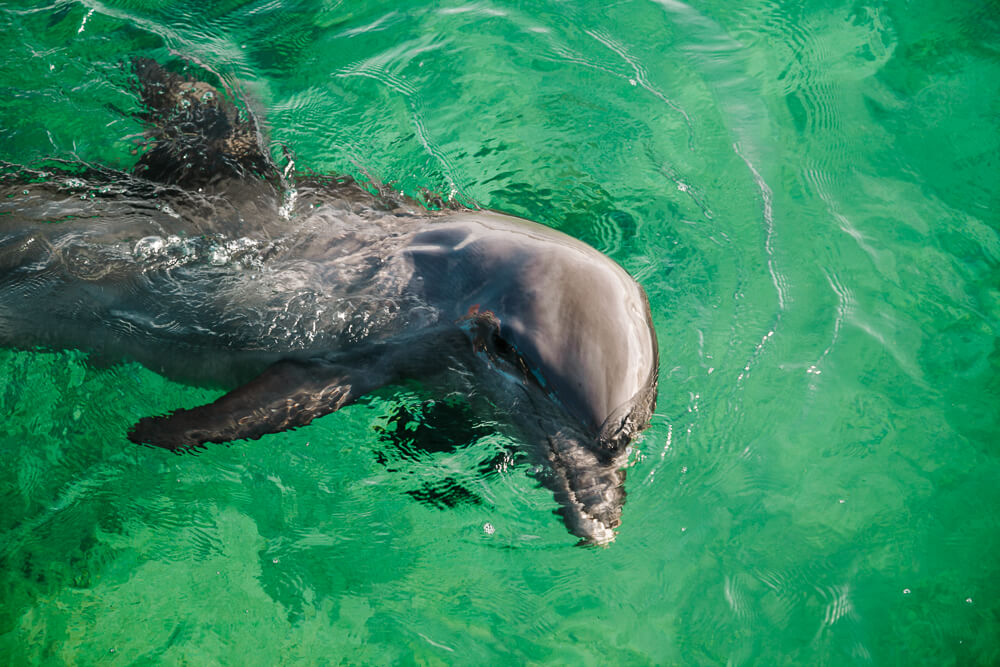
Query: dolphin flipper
(291,393)
(287,395)
(198,137)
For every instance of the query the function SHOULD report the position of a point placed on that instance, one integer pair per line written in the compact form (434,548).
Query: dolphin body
(209,266)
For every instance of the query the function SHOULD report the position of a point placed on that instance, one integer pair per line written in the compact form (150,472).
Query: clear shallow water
(809,195)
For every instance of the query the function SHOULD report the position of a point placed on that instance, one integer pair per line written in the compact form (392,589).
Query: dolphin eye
(501,346)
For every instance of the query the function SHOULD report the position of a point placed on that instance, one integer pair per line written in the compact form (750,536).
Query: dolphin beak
(590,491)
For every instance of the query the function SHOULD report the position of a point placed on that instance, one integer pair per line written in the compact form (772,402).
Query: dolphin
(301,293)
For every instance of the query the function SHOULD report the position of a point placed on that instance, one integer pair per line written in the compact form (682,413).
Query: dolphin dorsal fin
(198,138)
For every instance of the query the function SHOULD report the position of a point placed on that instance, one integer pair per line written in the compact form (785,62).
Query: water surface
(808,192)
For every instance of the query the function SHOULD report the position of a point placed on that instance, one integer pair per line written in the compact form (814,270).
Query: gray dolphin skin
(301,293)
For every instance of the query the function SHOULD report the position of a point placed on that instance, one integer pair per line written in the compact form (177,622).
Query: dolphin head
(605,376)
(573,332)
(590,351)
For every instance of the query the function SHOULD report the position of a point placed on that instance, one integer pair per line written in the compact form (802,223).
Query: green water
(808,192)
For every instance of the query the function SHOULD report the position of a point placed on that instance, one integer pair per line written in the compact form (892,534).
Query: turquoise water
(808,192)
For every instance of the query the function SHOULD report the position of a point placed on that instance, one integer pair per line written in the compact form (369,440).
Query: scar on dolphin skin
(300,293)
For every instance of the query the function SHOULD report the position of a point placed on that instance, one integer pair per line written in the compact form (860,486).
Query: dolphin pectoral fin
(287,395)
(291,393)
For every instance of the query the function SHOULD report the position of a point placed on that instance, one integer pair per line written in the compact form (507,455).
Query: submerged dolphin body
(209,266)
